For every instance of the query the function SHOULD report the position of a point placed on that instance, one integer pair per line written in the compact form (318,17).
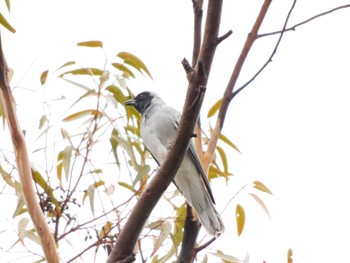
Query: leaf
(66,157)
(6,24)
(226,140)
(90,92)
(83,71)
(21,228)
(260,186)
(77,84)
(43,120)
(20,200)
(90,192)
(224,257)
(7,177)
(223,158)
(37,177)
(93,43)
(43,77)
(117,94)
(134,61)
(8,5)
(105,230)
(127,72)
(164,233)
(142,171)
(240,219)
(290,255)
(69,63)
(83,113)
(127,186)
(261,203)
(214,108)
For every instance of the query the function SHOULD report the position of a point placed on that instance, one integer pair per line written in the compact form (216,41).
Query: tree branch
(271,56)
(232,82)
(23,164)
(292,28)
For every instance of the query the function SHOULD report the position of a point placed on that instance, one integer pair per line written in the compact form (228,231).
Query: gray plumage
(158,129)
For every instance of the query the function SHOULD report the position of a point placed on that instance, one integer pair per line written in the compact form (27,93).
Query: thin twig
(292,28)
(271,56)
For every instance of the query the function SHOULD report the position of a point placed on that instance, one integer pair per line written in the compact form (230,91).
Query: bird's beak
(130,103)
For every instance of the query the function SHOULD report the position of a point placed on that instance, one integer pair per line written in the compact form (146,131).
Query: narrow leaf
(127,186)
(93,43)
(83,71)
(223,158)
(83,113)
(117,94)
(105,230)
(126,71)
(8,5)
(226,140)
(261,203)
(66,158)
(260,186)
(7,177)
(43,77)
(134,61)
(69,63)
(164,233)
(214,108)
(6,24)
(240,219)
(226,258)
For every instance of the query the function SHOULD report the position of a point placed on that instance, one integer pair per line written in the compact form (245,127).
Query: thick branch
(232,82)
(203,62)
(23,165)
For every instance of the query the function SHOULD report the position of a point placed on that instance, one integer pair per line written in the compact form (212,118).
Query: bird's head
(142,101)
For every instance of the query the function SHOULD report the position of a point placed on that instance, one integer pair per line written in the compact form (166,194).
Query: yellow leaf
(134,61)
(260,186)
(83,113)
(6,24)
(93,43)
(226,140)
(43,77)
(83,71)
(105,230)
(240,219)
(164,233)
(214,108)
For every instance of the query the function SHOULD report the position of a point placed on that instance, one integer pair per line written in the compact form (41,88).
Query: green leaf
(77,84)
(224,257)
(83,71)
(126,71)
(260,186)
(134,61)
(43,120)
(117,94)
(90,192)
(6,24)
(7,177)
(240,219)
(66,158)
(127,186)
(226,140)
(93,43)
(83,113)
(261,203)
(37,177)
(20,200)
(69,63)
(214,108)
(164,233)
(8,5)
(141,173)
(89,93)
(114,144)
(43,77)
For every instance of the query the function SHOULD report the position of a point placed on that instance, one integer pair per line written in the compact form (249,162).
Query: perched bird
(159,124)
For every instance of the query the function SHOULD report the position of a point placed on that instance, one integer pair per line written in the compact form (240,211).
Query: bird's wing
(199,167)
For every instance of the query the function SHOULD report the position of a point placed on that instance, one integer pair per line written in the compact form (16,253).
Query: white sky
(291,123)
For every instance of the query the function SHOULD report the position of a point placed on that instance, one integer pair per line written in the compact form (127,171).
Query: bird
(159,124)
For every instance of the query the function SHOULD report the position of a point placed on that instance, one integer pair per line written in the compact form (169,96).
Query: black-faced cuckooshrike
(158,129)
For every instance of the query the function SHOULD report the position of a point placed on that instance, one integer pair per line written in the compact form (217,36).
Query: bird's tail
(210,218)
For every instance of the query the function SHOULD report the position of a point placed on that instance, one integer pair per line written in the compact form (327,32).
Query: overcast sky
(291,124)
